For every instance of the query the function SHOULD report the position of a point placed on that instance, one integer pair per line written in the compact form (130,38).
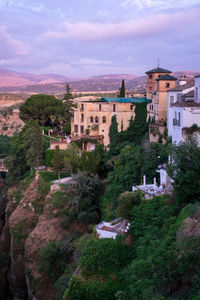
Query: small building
(183,115)
(159,81)
(112,229)
(152,190)
(93,118)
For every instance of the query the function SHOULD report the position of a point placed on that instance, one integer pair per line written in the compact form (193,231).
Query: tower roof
(158,70)
(166,77)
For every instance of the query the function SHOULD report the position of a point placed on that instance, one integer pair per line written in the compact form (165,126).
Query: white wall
(197,89)
(177,130)
(170,111)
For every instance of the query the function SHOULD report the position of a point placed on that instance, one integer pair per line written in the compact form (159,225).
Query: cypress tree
(113,134)
(58,161)
(122,90)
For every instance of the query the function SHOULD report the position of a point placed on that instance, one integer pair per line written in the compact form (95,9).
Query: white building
(112,229)
(183,111)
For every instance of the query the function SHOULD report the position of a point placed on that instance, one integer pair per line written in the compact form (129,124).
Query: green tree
(138,127)
(41,108)
(185,171)
(72,158)
(126,201)
(69,105)
(34,143)
(89,162)
(113,135)
(5,146)
(122,90)
(58,161)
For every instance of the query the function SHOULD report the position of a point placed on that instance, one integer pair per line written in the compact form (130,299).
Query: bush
(54,258)
(51,176)
(104,255)
(49,155)
(126,201)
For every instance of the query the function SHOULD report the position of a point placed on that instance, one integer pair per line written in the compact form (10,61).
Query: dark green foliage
(122,90)
(113,135)
(54,257)
(51,176)
(89,162)
(41,108)
(69,105)
(126,201)
(102,256)
(49,155)
(61,285)
(185,171)
(95,289)
(5,146)
(58,161)
(127,171)
(3,260)
(34,142)
(138,127)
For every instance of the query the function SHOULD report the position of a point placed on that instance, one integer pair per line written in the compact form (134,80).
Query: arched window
(104,119)
(91,119)
(96,120)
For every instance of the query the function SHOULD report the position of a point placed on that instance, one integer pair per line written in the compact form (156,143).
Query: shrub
(126,201)
(49,155)
(104,255)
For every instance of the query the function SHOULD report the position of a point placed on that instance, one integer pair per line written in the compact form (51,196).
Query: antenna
(158,62)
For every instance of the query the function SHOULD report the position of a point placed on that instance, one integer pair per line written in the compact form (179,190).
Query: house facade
(93,118)
(183,115)
(159,81)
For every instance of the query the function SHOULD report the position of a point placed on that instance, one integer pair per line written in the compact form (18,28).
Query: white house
(183,111)
(112,229)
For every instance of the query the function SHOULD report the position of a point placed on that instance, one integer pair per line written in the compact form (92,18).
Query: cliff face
(26,231)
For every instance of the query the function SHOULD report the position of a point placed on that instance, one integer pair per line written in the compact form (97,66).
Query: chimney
(144,180)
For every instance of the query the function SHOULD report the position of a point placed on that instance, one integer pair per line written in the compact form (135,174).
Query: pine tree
(58,161)
(122,90)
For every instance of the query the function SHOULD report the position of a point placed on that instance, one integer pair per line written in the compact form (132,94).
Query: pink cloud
(133,28)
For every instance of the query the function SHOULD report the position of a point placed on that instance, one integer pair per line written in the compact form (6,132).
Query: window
(91,119)
(152,107)
(150,76)
(171,100)
(82,107)
(100,107)
(96,120)
(104,119)
(76,128)
(179,119)
(82,117)
(114,107)
(82,129)
(150,88)
(131,107)
(167,85)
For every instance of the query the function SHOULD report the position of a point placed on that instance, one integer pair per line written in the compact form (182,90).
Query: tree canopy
(41,108)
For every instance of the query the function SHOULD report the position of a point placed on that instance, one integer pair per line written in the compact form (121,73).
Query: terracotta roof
(158,70)
(183,87)
(166,77)
(187,104)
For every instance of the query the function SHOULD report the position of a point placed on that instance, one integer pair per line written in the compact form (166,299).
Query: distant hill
(10,78)
(14,82)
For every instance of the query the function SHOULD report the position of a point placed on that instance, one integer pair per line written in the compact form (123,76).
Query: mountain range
(54,84)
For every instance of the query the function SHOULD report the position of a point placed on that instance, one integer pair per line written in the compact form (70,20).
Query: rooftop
(187,104)
(158,70)
(126,100)
(189,84)
(190,94)
(166,77)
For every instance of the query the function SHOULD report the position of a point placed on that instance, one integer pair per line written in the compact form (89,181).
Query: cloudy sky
(94,37)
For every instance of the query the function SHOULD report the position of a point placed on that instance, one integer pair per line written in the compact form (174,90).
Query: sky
(94,37)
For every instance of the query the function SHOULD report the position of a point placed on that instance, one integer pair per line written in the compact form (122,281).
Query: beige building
(93,118)
(159,81)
